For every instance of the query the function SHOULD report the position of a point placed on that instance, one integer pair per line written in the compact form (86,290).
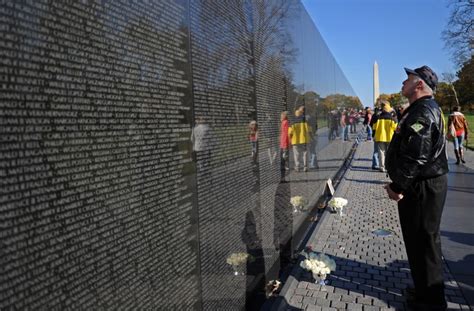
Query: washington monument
(376,83)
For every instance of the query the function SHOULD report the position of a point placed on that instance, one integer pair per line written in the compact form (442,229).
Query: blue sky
(395,33)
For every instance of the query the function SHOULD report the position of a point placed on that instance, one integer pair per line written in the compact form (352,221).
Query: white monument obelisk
(376,83)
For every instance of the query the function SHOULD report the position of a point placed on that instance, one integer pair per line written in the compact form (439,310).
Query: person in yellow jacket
(383,130)
(300,136)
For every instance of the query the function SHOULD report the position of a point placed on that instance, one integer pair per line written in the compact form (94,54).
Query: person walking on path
(375,154)
(299,133)
(367,119)
(417,165)
(383,130)
(461,129)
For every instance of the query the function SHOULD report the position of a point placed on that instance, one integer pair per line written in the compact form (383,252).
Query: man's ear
(419,84)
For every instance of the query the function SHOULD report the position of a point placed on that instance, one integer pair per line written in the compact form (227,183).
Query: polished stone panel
(128,178)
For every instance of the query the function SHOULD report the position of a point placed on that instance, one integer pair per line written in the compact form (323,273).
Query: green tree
(328,104)
(449,79)
(465,85)
(384,97)
(444,97)
(354,102)
(397,99)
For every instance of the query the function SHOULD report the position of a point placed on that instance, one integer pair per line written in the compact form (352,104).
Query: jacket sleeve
(415,150)
(466,128)
(372,121)
(394,126)
(374,127)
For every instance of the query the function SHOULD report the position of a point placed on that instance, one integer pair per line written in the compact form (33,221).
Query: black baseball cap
(426,74)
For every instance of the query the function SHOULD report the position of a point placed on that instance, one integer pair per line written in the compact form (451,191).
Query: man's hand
(393,195)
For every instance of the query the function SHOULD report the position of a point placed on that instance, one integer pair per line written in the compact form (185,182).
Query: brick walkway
(372,271)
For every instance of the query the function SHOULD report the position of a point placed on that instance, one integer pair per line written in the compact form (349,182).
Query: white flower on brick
(320,265)
(337,204)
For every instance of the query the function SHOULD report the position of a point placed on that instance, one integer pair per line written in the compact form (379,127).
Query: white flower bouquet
(320,265)
(238,259)
(337,204)
(298,202)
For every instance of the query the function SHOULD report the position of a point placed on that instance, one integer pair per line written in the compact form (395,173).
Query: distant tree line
(320,106)
(451,91)
(459,40)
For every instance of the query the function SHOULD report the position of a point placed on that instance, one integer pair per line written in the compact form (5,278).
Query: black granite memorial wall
(127,179)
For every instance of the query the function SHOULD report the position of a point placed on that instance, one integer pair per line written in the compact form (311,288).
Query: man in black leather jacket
(417,165)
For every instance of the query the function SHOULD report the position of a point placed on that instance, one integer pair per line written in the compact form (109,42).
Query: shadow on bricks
(362,283)
(355,286)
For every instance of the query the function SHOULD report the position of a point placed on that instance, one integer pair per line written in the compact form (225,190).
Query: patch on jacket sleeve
(417,126)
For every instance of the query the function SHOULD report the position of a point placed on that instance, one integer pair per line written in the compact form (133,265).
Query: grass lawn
(470,121)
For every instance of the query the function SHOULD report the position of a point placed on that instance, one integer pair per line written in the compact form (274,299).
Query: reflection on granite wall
(128,175)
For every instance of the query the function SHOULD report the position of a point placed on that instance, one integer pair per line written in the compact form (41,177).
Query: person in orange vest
(461,129)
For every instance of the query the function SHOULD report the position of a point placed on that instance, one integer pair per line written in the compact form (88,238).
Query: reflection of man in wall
(299,133)
(201,136)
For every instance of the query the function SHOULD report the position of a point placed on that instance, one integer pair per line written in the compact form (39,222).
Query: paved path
(372,272)
(457,225)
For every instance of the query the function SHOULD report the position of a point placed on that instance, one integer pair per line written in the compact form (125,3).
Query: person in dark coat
(417,164)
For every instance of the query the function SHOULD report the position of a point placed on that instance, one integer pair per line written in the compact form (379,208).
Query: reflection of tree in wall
(237,46)
(223,95)
(336,101)
(223,80)
(311,100)
(273,55)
